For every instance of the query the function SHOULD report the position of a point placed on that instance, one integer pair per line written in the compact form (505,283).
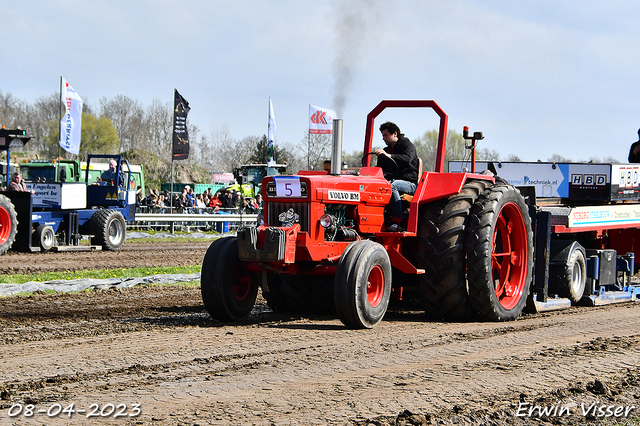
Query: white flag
(71,123)
(321,120)
(271,161)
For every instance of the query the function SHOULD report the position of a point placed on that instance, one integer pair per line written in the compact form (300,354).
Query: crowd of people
(187,201)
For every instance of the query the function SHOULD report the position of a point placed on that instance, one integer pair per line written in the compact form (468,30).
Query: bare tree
(127,116)
(314,150)
(557,158)
(158,127)
(427,148)
(352,160)
(42,121)
(215,148)
(486,154)
(12,111)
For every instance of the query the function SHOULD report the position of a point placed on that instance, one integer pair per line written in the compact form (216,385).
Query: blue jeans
(399,187)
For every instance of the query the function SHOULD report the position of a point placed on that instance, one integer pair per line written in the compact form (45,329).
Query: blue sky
(537,77)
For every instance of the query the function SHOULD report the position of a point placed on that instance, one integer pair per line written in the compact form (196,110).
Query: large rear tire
(109,229)
(500,254)
(440,250)
(228,290)
(8,224)
(363,285)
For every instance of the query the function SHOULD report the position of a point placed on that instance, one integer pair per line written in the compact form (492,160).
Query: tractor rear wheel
(440,250)
(108,228)
(8,224)
(229,291)
(500,254)
(363,285)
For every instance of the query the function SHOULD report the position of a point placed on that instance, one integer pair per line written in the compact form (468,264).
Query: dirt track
(150,254)
(157,347)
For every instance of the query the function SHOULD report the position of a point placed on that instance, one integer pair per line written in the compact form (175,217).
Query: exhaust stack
(336,148)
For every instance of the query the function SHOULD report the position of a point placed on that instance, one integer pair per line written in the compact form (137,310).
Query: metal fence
(225,220)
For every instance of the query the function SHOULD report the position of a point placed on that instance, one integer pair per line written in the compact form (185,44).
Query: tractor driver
(405,176)
(109,176)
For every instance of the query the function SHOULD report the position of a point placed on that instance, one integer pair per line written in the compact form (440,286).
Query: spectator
(227,202)
(200,205)
(237,200)
(191,196)
(139,197)
(18,185)
(182,201)
(252,205)
(175,202)
(161,203)
(215,202)
(153,194)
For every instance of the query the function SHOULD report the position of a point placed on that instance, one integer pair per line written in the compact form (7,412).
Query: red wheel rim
(242,287)
(5,225)
(509,256)
(375,286)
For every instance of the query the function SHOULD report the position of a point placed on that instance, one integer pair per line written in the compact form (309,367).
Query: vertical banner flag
(180,134)
(71,123)
(271,136)
(321,120)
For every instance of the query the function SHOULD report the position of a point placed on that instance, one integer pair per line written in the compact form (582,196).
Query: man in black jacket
(404,177)
(634,152)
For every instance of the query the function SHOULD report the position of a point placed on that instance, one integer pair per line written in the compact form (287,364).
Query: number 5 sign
(287,186)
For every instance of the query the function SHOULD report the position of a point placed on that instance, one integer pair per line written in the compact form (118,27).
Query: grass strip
(99,274)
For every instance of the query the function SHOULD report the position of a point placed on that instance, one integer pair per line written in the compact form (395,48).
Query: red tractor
(322,244)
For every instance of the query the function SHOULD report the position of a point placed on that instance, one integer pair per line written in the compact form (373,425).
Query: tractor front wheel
(499,254)
(363,284)
(229,291)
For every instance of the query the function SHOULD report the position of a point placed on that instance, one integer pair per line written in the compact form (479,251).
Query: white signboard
(64,196)
(549,179)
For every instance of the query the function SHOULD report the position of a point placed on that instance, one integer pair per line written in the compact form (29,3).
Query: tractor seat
(409,197)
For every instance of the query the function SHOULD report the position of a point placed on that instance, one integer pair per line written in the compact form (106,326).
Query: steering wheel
(389,174)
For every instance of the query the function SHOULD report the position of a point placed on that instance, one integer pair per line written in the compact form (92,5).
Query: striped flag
(71,123)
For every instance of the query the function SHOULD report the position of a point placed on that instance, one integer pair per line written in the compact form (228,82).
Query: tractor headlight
(327,221)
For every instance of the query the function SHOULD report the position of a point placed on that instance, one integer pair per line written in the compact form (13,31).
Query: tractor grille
(302,209)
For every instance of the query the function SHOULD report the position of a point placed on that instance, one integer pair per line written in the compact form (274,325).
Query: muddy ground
(154,349)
